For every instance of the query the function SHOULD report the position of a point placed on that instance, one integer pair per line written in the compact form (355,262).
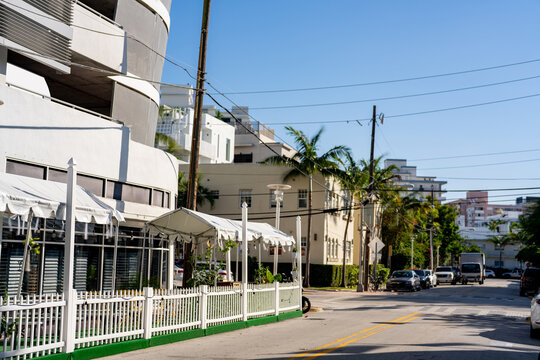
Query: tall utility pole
(431,233)
(370,235)
(196,137)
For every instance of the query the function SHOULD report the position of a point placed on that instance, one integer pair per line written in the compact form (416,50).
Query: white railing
(33,325)
(108,317)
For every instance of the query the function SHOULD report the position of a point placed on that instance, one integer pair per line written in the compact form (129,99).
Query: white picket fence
(33,326)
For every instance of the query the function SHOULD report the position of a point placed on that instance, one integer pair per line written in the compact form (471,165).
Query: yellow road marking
(360,338)
(353,335)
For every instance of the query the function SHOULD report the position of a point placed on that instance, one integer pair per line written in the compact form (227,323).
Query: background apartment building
(176,121)
(233,184)
(418,186)
(77,80)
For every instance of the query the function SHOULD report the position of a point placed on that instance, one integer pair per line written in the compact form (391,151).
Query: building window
(228,149)
(303,241)
(93,184)
(126,192)
(245,197)
(302,198)
(57,175)
(25,169)
(157,198)
(243,158)
(499,263)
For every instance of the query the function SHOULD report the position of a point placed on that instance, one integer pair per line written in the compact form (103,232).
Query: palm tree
(499,241)
(306,162)
(167,144)
(203,193)
(354,179)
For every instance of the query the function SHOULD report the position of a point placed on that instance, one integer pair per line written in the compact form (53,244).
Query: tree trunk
(308,238)
(344,282)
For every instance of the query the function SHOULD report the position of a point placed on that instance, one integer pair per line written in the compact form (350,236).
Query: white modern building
(419,186)
(77,81)
(176,121)
(481,236)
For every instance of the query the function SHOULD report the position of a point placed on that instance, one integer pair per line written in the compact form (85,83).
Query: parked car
(515,274)
(200,266)
(404,280)
(444,274)
(178,277)
(425,281)
(490,274)
(432,277)
(530,281)
(535,317)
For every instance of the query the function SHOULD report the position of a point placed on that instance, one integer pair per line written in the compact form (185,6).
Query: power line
(474,155)
(385,81)
(478,165)
(486,179)
(395,97)
(464,106)
(91,68)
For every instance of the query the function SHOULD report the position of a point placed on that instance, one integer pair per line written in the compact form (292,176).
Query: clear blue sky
(283,44)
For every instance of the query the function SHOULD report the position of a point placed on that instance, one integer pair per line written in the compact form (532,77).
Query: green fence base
(95,352)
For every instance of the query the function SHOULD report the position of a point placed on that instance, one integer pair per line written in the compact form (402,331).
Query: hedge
(332,275)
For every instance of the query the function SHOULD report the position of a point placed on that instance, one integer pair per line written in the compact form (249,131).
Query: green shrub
(332,275)
(382,273)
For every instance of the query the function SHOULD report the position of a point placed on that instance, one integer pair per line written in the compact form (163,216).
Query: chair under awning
(20,195)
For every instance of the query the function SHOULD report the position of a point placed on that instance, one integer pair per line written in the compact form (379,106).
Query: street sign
(376,244)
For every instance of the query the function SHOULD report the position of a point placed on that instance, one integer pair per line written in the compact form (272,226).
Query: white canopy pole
(69,259)
(170,273)
(244,244)
(299,251)
(260,251)
(228,265)
(237,259)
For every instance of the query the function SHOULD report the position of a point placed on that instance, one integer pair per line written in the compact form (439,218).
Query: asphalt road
(448,322)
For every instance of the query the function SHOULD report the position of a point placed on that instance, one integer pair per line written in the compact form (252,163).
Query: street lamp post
(278,195)
(412,252)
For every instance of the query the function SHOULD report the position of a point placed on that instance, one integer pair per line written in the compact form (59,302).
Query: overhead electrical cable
(475,155)
(395,97)
(387,81)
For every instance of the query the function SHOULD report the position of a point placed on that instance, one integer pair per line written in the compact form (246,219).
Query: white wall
(105,49)
(48,133)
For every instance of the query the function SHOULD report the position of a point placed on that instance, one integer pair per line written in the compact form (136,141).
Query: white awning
(184,224)
(47,199)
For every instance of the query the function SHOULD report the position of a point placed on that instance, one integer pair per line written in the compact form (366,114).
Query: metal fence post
(244,301)
(148,310)
(276,297)
(204,305)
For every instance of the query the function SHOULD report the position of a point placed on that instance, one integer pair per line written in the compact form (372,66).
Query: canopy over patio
(20,195)
(185,225)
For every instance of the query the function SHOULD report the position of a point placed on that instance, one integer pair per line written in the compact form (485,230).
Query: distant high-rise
(420,186)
